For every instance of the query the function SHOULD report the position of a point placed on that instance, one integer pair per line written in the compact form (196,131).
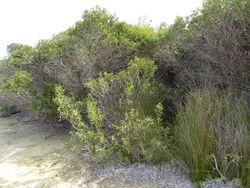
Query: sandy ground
(37,155)
(34,154)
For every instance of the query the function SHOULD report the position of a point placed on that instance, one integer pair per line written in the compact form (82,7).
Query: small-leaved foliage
(21,81)
(44,100)
(124,115)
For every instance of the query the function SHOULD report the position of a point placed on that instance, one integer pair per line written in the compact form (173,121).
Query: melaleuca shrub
(87,133)
(17,90)
(21,81)
(44,100)
(121,117)
(143,138)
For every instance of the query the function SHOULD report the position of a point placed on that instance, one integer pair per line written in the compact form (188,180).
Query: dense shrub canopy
(119,107)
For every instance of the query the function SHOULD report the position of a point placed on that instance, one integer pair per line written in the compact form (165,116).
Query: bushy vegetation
(17,89)
(119,108)
(44,100)
(212,132)
(138,94)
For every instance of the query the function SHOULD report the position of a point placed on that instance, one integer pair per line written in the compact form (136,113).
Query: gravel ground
(166,176)
(215,184)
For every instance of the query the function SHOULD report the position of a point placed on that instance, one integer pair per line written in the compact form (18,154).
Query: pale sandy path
(34,154)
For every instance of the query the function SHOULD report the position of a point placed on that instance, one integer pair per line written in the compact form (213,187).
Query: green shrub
(136,38)
(131,88)
(172,37)
(3,107)
(119,108)
(56,47)
(89,134)
(212,133)
(17,90)
(20,82)
(44,100)
(143,139)
(68,108)
(19,55)
(214,35)
(115,97)
(20,90)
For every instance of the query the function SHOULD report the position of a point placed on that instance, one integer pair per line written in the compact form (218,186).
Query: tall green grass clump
(212,133)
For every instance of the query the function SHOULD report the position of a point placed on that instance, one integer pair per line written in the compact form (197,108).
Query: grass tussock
(212,132)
